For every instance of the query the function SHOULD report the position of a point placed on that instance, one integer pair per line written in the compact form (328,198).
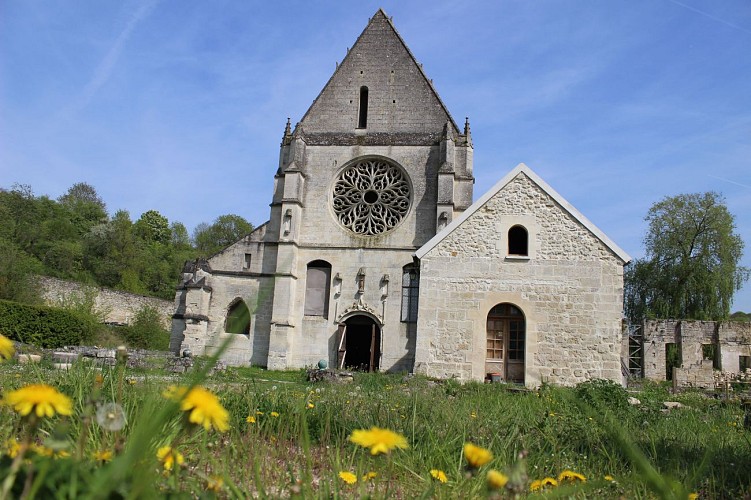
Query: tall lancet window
(410,293)
(317,282)
(362,118)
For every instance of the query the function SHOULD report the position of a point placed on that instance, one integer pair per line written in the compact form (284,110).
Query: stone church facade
(374,256)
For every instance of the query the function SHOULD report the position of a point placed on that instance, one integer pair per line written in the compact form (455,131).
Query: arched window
(238,318)
(362,117)
(317,282)
(410,292)
(518,241)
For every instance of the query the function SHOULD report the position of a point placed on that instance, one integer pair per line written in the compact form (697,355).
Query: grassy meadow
(290,438)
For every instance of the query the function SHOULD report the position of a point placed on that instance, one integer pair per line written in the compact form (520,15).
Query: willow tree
(691,269)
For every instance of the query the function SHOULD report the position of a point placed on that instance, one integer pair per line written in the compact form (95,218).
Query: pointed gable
(524,171)
(401,101)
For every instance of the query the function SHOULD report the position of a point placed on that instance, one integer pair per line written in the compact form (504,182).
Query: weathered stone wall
(569,288)
(656,335)
(400,98)
(115,306)
(730,340)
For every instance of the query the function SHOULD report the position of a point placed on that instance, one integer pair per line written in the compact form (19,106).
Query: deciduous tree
(225,230)
(691,266)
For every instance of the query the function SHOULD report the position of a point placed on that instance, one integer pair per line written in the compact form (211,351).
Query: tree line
(690,271)
(74,237)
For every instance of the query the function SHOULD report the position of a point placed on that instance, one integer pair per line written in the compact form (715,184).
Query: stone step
(29,358)
(64,356)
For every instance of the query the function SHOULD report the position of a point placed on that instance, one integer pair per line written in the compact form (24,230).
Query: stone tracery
(371,197)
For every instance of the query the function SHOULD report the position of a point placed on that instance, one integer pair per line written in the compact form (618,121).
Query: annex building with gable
(374,256)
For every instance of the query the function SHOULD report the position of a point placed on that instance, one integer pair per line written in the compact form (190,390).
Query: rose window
(371,197)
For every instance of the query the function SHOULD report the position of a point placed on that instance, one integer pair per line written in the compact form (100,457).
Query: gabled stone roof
(401,98)
(522,169)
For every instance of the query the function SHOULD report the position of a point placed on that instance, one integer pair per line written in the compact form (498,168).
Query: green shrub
(44,326)
(604,394)
(146,331)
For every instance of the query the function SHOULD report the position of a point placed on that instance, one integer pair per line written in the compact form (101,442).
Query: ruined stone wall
(705,347)
(115,306)
(658,333)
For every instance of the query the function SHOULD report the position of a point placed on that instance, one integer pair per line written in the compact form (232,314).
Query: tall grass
(299,443)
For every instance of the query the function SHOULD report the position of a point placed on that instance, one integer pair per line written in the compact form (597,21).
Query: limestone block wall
(735,341)
(249,248)
(117,307)
(257,292)
(569,288)
(400,97)
(656,335)
(319,225)
(314,338)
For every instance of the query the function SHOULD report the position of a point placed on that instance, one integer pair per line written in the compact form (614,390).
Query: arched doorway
(359,344)
(506,335)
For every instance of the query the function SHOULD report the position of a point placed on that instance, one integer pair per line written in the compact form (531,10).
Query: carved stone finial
(467,132)
(287,133)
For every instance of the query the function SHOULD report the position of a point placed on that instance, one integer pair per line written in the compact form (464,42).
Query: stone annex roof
(560,200)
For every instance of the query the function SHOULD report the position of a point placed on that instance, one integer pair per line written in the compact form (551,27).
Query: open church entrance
(359,344)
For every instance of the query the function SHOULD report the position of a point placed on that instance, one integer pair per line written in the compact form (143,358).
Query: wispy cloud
(710,16)
(104,70)
(730,181)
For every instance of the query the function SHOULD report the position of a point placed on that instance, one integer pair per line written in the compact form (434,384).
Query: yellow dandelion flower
(6,348)
(571,477)
(202,406)
(370,475)
(693,496)
(476,456)
(274,414)
(214,483)
(46,451)
(610,478)
(169,457)
(438,475)
(251,419)
(541,484)
(259,413)
(378,440)
(473,415)
(497,480)
(103,455)
(12,448)
(42,399)
(347,477)
(175,392)
(311,405)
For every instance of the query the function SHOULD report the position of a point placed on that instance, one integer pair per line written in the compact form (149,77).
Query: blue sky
(180,106)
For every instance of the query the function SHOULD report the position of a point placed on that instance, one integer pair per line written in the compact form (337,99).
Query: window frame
(410,293)
(517,238)
(231,318)
(310,308)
